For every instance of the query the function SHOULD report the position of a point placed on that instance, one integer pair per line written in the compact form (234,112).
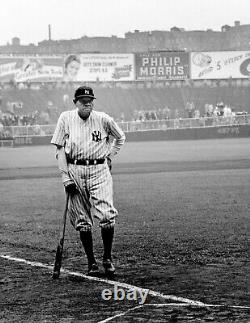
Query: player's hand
(70,187)
(109,161)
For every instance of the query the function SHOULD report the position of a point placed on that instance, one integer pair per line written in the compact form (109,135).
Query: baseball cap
(84,92)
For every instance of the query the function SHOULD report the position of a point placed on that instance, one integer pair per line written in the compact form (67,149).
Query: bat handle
(65,212)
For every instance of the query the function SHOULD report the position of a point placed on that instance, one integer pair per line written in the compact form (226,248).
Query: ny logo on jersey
(96,136)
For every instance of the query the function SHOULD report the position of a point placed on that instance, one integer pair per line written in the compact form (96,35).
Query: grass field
(182,233)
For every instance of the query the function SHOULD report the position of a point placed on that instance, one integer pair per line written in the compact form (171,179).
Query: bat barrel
(59,250)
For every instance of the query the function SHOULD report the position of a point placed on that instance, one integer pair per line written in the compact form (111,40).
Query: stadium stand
(122,103)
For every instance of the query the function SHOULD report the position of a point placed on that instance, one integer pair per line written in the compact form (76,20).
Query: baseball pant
(94,199)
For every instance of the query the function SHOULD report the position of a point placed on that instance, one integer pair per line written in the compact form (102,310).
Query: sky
(72,19)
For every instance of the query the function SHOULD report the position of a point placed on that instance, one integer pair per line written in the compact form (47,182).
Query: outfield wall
(234,131)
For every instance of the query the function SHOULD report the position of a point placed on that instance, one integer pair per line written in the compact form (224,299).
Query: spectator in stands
(153,115)
(159,114)
(4,133)
(220,109)
(140,116)
(135,115)
(189,109)
(196,114)
(233,114)
(16,120)
(227,111)
(211,110)
(6,120)
(71,67)
(147,115)
(1,130)
(216,111)
(176,114)
(208,110)
(166,113)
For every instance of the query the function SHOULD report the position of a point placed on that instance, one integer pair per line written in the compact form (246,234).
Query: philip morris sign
(162,65)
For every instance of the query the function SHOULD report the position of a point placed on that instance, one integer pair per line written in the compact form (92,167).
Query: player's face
(85,107)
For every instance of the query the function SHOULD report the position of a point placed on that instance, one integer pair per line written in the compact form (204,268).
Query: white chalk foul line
(207,305)
(120,314)
(106,281)
(139,306)
(163,305)
(187,301)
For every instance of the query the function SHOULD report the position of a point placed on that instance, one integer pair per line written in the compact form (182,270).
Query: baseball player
(84,153)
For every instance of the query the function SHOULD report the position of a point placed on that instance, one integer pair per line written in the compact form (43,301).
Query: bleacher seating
(117,100)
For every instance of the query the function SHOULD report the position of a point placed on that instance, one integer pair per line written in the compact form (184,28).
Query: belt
(86,162)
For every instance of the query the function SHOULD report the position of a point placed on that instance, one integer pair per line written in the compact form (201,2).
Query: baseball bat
(59,250)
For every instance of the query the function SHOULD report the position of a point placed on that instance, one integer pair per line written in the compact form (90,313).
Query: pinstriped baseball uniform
(89,139)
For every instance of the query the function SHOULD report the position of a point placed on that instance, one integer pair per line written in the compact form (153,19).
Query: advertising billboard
(70,68)
(162,65)
(99,67)
(30,68)
(220,65)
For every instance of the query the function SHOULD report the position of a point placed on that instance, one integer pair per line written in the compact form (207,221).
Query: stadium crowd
(131,84)
(155,114)
(9,119)
(36,103)
(219,110)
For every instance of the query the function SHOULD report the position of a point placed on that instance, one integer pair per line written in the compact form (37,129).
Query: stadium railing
(132,126)
(184,123)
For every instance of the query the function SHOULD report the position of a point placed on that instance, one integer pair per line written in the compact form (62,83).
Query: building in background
(177,39)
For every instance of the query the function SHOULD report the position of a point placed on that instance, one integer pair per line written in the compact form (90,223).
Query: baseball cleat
(93,270)
(109,267)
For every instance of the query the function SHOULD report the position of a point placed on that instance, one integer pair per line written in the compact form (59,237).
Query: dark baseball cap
(84,92)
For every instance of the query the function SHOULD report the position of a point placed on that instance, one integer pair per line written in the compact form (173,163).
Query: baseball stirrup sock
(87,242)
(107,238)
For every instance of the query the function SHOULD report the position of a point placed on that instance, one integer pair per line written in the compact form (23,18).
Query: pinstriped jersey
(90,138)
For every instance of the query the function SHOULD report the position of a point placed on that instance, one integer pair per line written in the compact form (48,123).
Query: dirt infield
(183,232)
